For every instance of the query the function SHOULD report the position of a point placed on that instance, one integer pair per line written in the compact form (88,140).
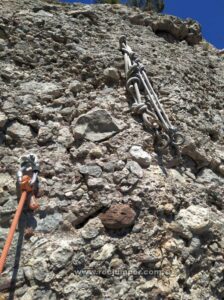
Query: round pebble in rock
(140,156)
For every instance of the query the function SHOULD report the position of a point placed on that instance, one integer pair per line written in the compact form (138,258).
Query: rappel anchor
(153,114)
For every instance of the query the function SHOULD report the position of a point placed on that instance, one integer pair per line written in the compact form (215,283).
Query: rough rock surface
(59,66)
(171,27)
(95,126)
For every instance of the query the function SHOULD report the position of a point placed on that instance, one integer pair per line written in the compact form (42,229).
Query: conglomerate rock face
(62,97)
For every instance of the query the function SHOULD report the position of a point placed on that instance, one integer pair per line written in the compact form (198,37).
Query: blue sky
(210,14)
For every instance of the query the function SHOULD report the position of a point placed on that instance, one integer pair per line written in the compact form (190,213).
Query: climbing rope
(153,115)
(27,179)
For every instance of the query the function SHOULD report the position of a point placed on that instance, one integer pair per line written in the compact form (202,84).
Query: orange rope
(25,187)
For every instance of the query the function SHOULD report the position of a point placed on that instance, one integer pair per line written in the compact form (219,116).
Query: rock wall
(117,219)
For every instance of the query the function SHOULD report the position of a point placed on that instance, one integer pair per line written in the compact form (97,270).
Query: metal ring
(124,50)
(131,81)
(177,136)
(162,138)
(139,108)
(147,121)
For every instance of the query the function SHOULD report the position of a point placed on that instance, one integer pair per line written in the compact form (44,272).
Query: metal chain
(153,115)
